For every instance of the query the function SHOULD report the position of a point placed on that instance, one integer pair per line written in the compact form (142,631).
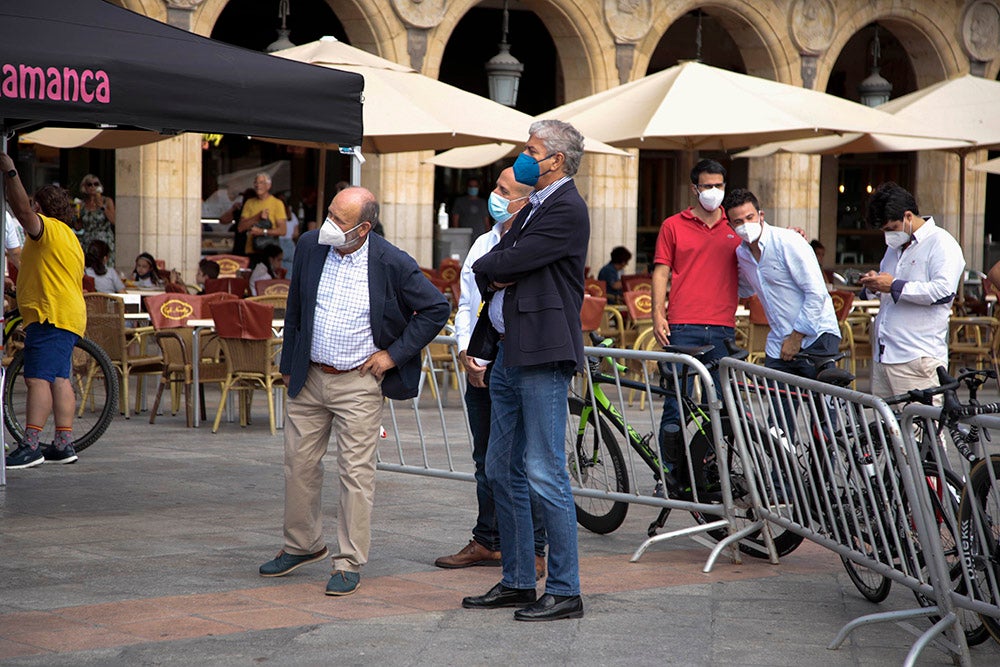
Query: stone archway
(737,36)
(934,55)
(586,64)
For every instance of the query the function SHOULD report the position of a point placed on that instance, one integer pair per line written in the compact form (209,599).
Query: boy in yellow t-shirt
(50,298)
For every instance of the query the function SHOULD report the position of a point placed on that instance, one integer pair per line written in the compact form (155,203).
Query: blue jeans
(826,345)
(693,335)
(477,402)
(527,451)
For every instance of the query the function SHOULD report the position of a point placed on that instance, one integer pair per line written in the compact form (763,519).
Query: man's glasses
(89,184)
(705,187)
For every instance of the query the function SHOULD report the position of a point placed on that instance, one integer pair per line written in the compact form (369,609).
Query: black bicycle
(944,486)
(596,461)
(94,380)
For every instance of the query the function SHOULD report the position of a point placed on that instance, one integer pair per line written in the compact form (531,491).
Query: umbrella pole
(356,162)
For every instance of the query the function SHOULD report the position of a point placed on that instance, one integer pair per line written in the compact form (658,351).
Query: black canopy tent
(89,63)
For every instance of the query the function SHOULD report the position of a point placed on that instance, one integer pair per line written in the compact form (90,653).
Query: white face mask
(711,199)
(331,234)
(749,231)
(897,239)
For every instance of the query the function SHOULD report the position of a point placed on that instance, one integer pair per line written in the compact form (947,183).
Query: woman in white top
(105,279)
(267,263)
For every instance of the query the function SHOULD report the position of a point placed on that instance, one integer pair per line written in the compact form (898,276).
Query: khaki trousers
(352,406)
(893,379)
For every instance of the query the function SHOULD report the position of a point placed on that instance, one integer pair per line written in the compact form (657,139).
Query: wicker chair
(209,300)
(273,287)
(169,314)
(244,330)
(236,286)
(276,301)
(230,265)
(106,327)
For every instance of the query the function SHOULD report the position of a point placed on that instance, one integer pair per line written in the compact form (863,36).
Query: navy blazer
(545,260)
(407,312)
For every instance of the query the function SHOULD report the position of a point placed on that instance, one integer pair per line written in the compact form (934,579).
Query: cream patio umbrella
(407,111)
(72,137)
(963,108)
(668,111)
(990,167)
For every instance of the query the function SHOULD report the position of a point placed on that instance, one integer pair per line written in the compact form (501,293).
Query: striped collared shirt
(535,199)
(342,337)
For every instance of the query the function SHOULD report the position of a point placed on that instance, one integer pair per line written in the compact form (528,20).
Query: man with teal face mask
(536,276)
(469,210)
(505,201)
(916,284)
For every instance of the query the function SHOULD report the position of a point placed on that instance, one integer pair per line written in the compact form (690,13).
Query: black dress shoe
(551,608)
(501,596)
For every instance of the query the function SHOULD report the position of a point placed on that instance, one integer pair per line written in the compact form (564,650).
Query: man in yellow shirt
(50,298)
(264,218)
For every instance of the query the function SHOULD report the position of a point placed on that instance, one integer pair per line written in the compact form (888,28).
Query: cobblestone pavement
(146,552)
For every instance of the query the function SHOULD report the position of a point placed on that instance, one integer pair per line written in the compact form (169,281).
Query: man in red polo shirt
(696,254)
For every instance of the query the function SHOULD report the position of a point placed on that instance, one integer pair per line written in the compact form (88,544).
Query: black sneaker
(25,457)
(56,455)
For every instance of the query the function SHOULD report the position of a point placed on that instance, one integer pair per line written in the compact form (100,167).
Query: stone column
(404,188)
(980,32)
(788,189)
(609,185)
(159,203)
(159,190)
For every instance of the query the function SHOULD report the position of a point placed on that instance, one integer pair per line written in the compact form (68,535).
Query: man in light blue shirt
(506,200)
(779,266)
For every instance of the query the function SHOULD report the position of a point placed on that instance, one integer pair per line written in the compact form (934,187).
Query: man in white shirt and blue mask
(780,267)
(504,202)
(916,284)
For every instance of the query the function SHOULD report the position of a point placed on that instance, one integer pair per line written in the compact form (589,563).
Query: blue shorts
(48,351)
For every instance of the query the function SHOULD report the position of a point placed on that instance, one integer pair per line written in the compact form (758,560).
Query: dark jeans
(692,335)
(826,345)
(528,450)
(477,401)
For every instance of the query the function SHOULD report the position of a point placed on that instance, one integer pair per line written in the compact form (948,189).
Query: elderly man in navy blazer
(359,312)
(535,275)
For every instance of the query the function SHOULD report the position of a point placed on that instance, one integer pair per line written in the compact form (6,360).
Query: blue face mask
(498,207)
(526,169)
(473,192)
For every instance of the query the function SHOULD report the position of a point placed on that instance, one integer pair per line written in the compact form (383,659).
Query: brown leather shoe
(474,553)
(539,567)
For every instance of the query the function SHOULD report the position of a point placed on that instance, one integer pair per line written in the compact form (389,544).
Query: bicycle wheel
(595,463)
(979,495)
(707,472)
(864,537)
(874,586)
(95,385)
(943,493)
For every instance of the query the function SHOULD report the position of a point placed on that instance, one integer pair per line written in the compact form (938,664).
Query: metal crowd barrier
(430,436)
(969,524)
(832,466)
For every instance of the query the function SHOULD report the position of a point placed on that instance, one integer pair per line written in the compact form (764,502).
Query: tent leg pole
(321,202)
(356,166)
